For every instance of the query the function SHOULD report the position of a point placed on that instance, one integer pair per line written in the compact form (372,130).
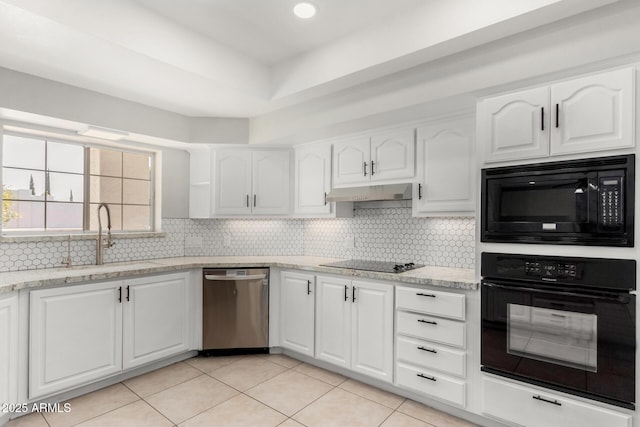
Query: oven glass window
(561,337)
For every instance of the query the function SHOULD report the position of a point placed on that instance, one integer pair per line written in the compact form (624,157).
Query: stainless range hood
(370,193)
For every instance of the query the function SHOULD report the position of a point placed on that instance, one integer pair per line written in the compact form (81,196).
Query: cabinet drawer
(426,354)
(435,385)
(535,408)
(445,304)
(432,328)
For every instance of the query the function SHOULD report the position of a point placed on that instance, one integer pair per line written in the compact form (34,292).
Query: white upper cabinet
(270,184)
(384,157)
(446,169)
(233,182)
(594,113)
(200,189)
(312,173)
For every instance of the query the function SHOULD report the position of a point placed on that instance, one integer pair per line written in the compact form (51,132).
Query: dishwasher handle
(235,278)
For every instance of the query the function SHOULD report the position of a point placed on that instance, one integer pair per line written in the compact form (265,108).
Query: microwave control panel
(610,204)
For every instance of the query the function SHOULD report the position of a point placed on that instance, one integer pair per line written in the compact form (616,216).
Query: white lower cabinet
(354,325)
(297,315)
(8,349)
(77,334)
(533,407)
(430,349)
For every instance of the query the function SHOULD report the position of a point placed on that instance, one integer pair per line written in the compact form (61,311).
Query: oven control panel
(552,270)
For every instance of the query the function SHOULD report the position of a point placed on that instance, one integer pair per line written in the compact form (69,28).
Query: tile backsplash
(384,234)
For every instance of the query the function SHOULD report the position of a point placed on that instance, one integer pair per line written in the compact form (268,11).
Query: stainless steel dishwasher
(235,310)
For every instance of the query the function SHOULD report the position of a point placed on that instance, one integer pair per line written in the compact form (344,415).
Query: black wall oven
(579,202)
(563,323)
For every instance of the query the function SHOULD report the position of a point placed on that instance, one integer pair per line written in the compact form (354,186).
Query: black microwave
(577,202)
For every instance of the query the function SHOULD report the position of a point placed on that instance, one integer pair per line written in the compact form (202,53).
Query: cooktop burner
(379,266)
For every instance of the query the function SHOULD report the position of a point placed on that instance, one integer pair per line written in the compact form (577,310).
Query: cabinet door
(233,182)
(200,175)
(393,155)
(446,168)
(312,179)
(271,180)
(351,161)
(333,320)
(297,319)
(515,126)
(75,336)
(155,318)
(372,330)
(9,349)
(595,113)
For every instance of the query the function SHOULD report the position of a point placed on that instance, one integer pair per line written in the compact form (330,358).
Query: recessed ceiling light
(304,10)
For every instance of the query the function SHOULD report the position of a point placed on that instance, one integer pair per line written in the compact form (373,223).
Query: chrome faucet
(100,243)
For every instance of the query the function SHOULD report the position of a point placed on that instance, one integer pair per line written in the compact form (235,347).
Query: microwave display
(583,202)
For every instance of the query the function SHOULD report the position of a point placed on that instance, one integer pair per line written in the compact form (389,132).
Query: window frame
(87,143)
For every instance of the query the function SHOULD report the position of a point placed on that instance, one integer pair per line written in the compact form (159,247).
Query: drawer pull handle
(430,350)
(420,294)
(427,378)
(542,399)
(431,322)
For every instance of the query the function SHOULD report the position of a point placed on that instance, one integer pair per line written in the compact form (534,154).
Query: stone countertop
(434,276)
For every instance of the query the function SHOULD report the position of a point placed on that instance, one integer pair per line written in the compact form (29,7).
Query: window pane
(65,157)
(22,152)
(136,217)
(64,215)
(66,187)
(107,190)
(135,192)
(116,217)
(105,162)
(30,215)
(136,166)
(24,184)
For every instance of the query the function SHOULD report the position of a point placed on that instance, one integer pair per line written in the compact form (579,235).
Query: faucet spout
(100,243)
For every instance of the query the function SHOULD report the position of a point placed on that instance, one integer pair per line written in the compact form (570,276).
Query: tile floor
(258,390)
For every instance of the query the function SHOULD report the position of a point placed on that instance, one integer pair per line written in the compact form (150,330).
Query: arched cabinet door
(515,126)
(593,113)
(351,164)
(393,155)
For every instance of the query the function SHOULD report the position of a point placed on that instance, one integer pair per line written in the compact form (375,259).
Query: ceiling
(246,58)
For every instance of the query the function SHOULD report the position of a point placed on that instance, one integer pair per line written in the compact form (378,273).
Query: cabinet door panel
(513,126)
(372,330)
(75,336)
(312,180)
(9,349)
(297,312)
(594,113)
(349,158)
(333,321)
(393,155)
(155,319)
(271,177)
(233,182)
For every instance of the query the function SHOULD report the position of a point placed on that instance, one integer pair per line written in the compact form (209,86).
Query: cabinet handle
(542,399)
(430,350)
(346,288)
(308,287)
(557,115)
(419,191)
(120,294)
(325,199)
(353,294)
(373,171)
(420,294)
(128,293)
(542,118)
(431,322)
(426,377)
(247,200)
(254,200)
(365,168)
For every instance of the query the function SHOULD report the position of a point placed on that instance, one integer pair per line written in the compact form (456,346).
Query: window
(55,186)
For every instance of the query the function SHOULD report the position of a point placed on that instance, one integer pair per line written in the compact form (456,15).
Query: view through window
(56,186)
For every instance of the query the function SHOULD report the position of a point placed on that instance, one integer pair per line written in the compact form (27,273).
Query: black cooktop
(379,266)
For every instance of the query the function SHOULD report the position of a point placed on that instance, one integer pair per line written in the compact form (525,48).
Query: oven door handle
(599,295)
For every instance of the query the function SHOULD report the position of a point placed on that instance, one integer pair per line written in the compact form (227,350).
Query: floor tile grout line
(312,402)
(199,413)
(371,400)
(109,411)
(163,390)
